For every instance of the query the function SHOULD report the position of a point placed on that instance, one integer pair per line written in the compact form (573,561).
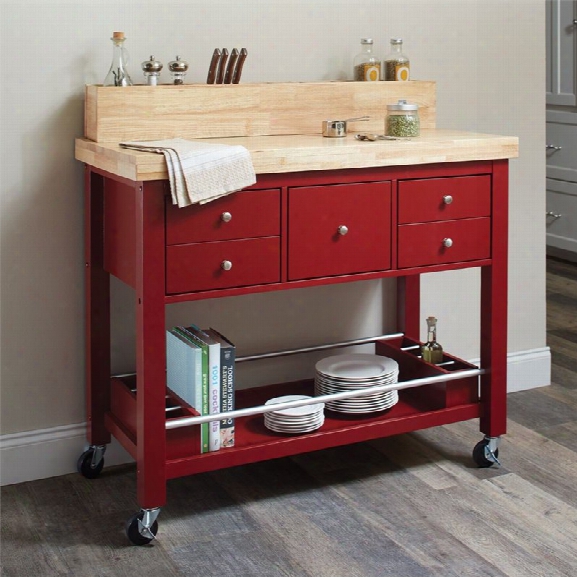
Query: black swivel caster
(486,452)
(91,462)
(142,527)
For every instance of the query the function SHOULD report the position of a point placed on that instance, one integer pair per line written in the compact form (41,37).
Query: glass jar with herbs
(396,65)
(367,66)
(402,120)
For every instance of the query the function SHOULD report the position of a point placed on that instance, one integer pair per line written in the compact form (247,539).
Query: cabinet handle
(552,147)
(447,199)
(342,230)
(447,242)
(553,214)
(226,265)
(226,217)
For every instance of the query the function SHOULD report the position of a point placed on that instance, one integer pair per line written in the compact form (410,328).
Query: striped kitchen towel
(201,171)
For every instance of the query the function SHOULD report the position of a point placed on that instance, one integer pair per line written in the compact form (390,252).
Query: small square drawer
(244,214)
(339,229)
(444,242)
(435,199)
(226,264)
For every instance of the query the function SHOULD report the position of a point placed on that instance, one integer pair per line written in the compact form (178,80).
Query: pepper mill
(151,69)
(178,70)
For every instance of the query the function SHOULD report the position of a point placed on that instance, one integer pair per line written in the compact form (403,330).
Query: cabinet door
(339,229)
(562,52)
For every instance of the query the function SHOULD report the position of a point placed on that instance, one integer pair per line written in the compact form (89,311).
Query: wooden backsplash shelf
(115,114)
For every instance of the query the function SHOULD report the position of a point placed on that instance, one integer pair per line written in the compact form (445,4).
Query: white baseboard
(529,369)
(51,452)
(48,453)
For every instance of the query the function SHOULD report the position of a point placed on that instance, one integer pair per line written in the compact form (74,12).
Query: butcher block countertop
(304,152)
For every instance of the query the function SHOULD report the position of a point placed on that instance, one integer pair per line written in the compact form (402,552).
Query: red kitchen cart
(286,232)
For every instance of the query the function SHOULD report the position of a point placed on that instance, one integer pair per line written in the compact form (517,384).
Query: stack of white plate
(357,371)
(297,419)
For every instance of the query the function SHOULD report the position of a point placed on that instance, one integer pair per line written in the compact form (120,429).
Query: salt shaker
(151,69)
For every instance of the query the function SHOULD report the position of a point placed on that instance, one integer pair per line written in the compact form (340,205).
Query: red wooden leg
(150,345)
(97,310)
(409,305)
(494,313)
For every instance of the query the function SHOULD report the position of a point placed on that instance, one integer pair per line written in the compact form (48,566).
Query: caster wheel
(480,457)
(84,465)
(133,530)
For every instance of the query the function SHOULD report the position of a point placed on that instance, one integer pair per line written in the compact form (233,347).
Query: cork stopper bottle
(118,73)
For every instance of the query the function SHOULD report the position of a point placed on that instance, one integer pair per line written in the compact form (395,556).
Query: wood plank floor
(407,506)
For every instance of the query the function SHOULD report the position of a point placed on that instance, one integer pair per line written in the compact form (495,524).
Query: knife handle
(213,66)
(221,66)
(239,65)
(231,64)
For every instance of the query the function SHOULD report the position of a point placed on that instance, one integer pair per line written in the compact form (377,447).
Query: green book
(201,389)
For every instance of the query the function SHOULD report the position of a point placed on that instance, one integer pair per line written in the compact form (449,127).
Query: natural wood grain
(221,110)
(296,153)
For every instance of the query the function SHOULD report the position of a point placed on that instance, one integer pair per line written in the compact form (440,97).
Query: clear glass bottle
(396,65)
(402,120)
(366,65)
(118,73)
(432,351)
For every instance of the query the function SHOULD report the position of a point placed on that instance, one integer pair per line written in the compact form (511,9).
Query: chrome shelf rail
(261,409)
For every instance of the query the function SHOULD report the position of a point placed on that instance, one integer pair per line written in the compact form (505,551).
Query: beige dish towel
(201,171)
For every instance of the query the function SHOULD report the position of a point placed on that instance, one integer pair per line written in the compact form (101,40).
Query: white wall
(487,57)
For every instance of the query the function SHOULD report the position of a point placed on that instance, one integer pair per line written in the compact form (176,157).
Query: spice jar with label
(396,65)
(367,66)
(402,119)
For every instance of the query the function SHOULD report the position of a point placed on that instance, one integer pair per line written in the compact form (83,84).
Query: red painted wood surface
(494,312)
(150,344)
(97,311)
(119,231)
(315,214)
(423,200)
(253,213)
(199,266)
(422,244)
(131,229)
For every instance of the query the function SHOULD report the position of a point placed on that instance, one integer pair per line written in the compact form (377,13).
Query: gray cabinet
(562,52)
(562,127)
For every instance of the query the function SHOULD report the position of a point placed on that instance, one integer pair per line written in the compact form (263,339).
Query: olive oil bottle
(432,351)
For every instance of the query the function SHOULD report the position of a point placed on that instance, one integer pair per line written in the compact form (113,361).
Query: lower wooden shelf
(418,408)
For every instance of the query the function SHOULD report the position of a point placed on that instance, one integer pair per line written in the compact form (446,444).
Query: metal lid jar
(402,119)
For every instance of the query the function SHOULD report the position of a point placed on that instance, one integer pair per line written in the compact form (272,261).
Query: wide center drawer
(246,214)
(226,264)
(435,199)
(339,229)
(444,242)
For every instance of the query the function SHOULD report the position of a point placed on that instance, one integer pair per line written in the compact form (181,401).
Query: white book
(179,370)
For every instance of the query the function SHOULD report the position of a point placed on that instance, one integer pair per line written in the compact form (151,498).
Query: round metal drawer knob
(226,217)
(447,199)
(226,265)
(447,242)
(342,230)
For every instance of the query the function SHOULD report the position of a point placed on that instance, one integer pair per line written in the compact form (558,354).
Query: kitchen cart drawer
(218,265)
(339,229)
(436,199)
(444,242)
(246,214)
